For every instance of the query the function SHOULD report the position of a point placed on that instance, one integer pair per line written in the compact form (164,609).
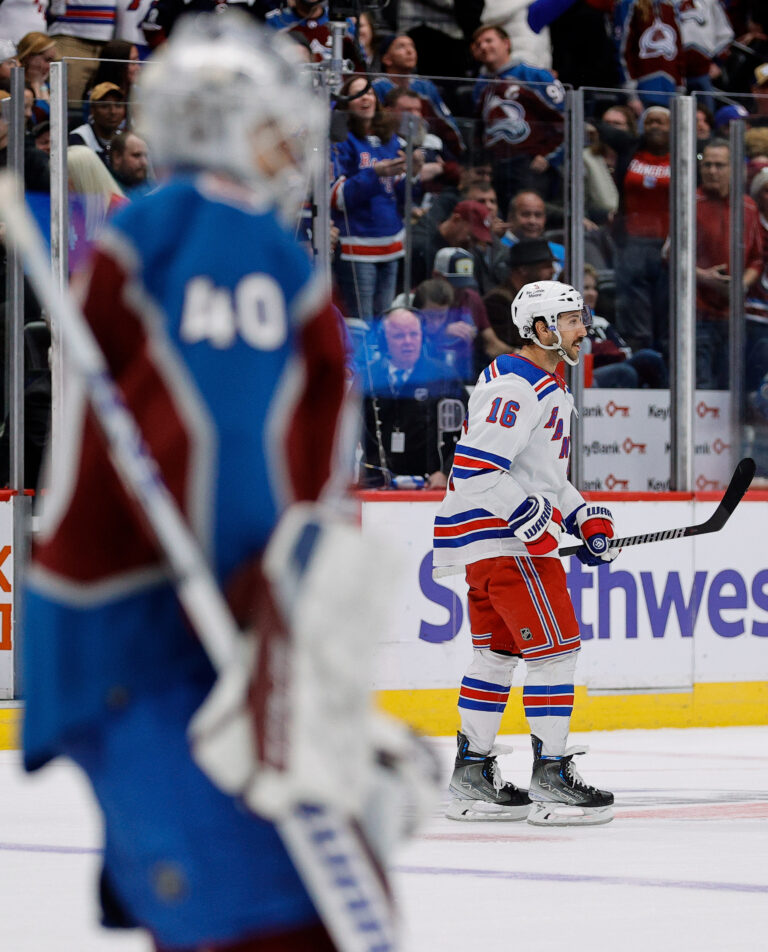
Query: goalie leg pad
(178,884)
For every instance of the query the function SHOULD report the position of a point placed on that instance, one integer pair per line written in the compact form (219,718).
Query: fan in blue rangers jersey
(227,352)
(500,522)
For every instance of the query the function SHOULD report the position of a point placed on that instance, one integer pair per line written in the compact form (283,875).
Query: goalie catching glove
(537,523)
(292,720)
(594,523)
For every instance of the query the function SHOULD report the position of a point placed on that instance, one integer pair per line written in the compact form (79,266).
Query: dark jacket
(413,411)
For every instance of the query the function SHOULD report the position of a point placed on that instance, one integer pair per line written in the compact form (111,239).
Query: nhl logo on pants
(526,634)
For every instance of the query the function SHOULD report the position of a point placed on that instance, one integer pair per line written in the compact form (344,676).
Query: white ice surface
(684,866)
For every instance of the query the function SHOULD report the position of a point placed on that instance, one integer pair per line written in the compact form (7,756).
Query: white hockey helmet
(547,300)
(227,95)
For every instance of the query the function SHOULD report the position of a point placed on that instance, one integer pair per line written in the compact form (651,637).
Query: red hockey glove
(536,523)
(595,526)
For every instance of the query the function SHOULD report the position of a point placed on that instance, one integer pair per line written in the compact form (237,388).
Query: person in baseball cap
(725,115)
(107,114)
(104,89)
(478,217)
(457,266)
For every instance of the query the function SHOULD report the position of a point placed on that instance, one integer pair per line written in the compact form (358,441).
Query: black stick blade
(739,484)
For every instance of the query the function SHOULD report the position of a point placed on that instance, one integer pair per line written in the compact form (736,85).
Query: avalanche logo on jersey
(658,40)
(510,127)
(689,10)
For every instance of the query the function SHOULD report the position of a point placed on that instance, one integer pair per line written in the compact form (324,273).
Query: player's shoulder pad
(519,368)
(152,224)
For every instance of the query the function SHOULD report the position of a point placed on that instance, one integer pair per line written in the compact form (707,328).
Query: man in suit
(413,406)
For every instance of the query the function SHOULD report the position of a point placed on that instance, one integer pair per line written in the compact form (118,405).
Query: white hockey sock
(483,697)
(548,701)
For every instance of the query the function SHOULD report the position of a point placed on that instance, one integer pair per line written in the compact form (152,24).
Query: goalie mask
(226,95)
(546,301)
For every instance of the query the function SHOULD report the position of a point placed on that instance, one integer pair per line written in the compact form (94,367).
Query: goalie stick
(327,849)
(739,484)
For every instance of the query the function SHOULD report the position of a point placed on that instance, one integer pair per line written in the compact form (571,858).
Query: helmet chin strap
(558,346)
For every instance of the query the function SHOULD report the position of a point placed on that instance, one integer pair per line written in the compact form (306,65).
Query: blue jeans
(367,287)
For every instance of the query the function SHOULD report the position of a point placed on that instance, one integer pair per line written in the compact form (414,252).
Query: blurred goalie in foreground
(227,353)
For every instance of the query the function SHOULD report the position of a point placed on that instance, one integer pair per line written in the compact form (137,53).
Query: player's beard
(573,350)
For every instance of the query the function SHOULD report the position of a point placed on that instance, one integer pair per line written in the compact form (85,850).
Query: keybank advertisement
(663,615)
(626,433)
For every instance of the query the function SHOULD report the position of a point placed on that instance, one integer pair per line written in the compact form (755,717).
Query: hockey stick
(325,847)
(739,484)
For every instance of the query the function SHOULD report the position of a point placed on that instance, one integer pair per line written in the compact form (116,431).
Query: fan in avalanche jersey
(507,500)
(520,109)
(228,354)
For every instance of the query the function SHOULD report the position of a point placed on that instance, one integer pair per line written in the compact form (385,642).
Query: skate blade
(469,810)
(564,814)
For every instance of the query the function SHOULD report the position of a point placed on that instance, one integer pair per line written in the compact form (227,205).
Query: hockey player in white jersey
(507,503)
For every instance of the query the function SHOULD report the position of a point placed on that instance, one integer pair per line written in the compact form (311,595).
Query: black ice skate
(478,790)
(560,797)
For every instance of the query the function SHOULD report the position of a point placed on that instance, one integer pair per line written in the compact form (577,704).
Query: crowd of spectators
(447,172)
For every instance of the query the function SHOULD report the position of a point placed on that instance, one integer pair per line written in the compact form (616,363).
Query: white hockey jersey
(516,442)
(84,19)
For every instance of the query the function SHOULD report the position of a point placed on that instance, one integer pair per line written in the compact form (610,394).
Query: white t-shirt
(19,17)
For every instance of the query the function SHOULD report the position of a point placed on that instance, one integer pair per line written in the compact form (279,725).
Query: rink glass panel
(737,400)
(643,454)
(626,403)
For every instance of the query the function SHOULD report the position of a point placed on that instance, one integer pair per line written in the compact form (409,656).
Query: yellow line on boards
(10,728)
(434,711)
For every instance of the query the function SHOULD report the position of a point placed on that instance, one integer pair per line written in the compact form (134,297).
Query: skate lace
(572,773)
(493,770)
